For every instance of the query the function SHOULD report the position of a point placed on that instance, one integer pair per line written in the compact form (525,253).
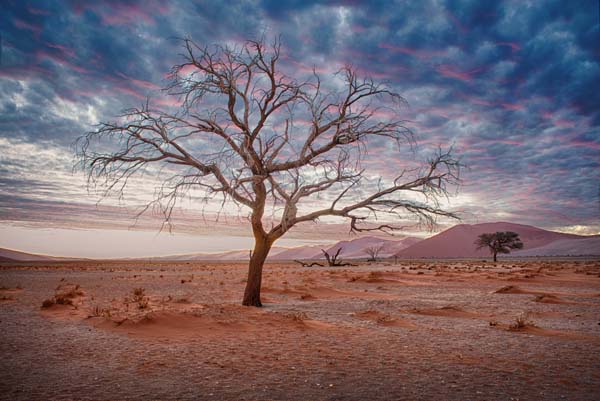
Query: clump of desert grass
(296,316)
(384,319)
(64,294)
(140,299)
(521,322)
(98,311)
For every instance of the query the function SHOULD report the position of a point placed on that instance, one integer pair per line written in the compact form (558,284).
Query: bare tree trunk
(495,259)
(252,293)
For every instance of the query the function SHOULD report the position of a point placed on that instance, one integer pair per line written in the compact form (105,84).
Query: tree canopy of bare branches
(255,136)
(373,251)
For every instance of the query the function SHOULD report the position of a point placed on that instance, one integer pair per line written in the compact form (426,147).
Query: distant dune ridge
(352,249)
(456,242)
(9,255)
(566,247)
(355,248)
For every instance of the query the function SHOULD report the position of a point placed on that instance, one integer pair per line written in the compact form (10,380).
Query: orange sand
(416,330)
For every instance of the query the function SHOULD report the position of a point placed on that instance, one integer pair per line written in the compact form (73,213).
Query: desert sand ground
(413,330)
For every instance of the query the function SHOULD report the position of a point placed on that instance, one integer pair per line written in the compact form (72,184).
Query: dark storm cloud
(512,84)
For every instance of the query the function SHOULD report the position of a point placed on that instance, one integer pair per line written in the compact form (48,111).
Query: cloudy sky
(513,85)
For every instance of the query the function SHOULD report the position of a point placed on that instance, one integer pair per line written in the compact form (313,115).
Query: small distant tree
(499,242)
(373,252)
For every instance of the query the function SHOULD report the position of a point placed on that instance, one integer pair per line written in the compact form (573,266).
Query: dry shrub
(98,311)
(297,316)
(522,321)
(139,297)
(69,291)
(385,318)
(64,294)
(48,303)
(375,275)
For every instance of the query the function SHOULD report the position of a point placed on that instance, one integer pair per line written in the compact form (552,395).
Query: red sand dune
(356,248)
(566,247)
(301,252)
(10,255)
(458,241)
(352,249)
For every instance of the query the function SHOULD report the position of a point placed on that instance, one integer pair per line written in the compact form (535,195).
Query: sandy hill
(300,252)
(355,248)
(458,241)
(10,255)
(566,247)
(352,249)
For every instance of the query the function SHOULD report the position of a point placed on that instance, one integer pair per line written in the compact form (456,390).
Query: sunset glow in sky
(514,86)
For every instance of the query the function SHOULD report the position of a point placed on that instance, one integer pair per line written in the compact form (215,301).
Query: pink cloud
(386,74)
(417,53)
(476,100)
(506,141)
(513,45)
(450,71)
(37,11)
(456,22)
(145,84)
(83,93)
(578,142)
(129,91)
(306,69)
(140,82)
(512,106)
(37,29)
(564,123)
(41,54)
(122,13)
(63,49)
(356,28)
(20,72)
(168,101)
(128,14)
(479,142)
(557,122)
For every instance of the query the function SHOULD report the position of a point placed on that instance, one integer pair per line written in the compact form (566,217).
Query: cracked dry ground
(415,330)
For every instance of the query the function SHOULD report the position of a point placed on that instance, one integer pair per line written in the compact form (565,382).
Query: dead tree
(308,264)
(252,135)
(373,252)
(332,260)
